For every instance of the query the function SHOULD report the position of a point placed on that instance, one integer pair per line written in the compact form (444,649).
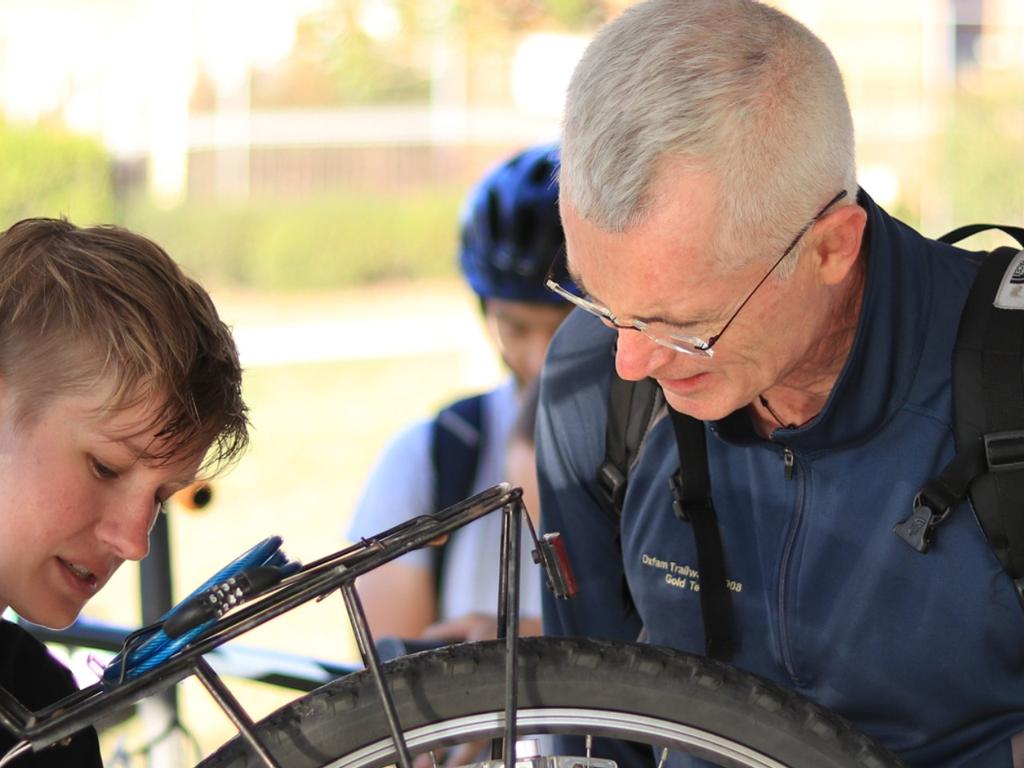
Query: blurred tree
(352,52)
(377,51)
(984,144)
(579,15)
(513,16)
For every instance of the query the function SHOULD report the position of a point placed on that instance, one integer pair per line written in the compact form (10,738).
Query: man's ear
(839,241)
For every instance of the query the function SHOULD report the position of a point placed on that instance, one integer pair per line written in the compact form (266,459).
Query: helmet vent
(543,172)
(494,215)
(522,235)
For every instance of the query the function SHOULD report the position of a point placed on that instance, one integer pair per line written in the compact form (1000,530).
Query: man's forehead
(675,239)
(679,194)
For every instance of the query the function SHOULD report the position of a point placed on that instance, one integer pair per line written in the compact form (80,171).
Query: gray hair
(730,86)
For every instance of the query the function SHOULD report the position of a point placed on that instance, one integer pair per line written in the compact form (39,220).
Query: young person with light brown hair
(119,385)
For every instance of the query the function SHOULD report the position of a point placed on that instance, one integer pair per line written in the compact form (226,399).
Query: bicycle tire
(611,689)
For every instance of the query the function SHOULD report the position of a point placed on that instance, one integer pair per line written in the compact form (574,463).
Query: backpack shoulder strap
(988,402)
(632,406)
(457,438)
(631,409)
(988,413)
(691,491)
(961,233)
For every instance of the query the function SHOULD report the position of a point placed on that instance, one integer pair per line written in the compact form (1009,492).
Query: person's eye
(675,331)
(510,329)
(102,471)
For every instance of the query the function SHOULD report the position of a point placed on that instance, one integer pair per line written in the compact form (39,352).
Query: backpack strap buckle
(683,507)
(918,529)
(612,483)
(1004,451)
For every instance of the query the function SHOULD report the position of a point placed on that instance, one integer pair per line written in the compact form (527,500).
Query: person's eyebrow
(577,279)
(707,316)
(134,447)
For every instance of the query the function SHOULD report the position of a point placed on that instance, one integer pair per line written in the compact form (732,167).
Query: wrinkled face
(663,270)
(76,501)
(522,332)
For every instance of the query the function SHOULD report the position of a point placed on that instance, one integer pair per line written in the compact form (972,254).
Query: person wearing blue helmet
(510,234)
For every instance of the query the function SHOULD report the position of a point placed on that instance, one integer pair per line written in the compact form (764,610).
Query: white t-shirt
(401,486)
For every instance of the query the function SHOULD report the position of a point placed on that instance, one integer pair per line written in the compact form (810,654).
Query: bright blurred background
(307,158)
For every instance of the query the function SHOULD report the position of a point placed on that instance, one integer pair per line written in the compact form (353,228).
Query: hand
(476,626)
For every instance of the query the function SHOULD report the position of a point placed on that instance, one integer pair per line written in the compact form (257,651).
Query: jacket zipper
(785,652)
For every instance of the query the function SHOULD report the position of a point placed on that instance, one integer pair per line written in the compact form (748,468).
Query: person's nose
(637,357)
(125,528)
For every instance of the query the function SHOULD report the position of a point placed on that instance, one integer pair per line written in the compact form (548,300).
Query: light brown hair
(84,307)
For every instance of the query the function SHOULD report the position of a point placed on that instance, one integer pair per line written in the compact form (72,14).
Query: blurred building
(127,71)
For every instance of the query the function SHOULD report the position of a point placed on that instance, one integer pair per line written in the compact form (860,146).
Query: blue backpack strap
(457,438)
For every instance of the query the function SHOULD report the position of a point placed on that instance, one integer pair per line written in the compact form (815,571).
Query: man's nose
(637,357)
(126,528)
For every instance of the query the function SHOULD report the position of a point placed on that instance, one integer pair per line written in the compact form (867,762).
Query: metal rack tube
(227,701)
(372,661)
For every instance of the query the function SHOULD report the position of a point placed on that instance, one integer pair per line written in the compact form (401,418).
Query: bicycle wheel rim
(573,686)
(564,721)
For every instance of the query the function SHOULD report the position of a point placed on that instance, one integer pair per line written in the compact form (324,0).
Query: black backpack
(457,437)
(988,411)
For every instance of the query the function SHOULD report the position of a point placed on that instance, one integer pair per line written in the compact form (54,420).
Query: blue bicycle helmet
(510,229)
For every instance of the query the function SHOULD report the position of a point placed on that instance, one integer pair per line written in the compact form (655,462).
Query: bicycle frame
(316,580)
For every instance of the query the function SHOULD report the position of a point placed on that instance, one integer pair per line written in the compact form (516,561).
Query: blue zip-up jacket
(924,652)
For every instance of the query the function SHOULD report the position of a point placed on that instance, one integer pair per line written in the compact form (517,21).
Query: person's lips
(82,576)
(686,385)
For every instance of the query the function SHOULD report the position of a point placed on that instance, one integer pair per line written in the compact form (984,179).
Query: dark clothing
(36,679)
(924,652)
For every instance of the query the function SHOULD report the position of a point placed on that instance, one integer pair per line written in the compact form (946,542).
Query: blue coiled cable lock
(249,574)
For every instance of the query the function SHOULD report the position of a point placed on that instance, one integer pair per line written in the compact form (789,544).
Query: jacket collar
(878,374)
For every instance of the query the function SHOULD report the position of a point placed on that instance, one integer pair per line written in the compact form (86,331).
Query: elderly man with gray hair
(714,224)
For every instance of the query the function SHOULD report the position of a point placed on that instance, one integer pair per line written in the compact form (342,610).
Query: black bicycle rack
(337,571)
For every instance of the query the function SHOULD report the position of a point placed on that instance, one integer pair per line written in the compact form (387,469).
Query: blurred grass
(318,427)
(337,239)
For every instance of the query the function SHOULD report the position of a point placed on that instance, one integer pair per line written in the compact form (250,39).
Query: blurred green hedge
(327,241)
(46,172)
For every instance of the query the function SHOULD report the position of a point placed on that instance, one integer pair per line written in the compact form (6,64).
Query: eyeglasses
(673,336)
